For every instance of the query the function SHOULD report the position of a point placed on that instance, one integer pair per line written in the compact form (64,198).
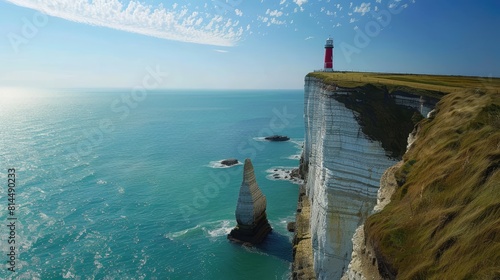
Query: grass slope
(444,219)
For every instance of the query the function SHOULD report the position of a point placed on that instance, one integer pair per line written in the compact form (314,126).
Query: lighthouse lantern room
(329,55)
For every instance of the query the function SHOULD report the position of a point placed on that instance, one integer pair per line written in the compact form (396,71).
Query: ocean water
(111,185)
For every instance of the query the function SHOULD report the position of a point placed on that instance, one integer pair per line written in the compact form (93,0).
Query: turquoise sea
(112,185)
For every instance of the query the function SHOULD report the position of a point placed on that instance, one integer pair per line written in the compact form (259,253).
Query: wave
(208,229)
(295,157)
(298,142)
(177,234)
(81,177)
(282,223)
(260,139)
(223,228)
(218,164)
(299,145)
(121,190)
(69,274)
(80,234)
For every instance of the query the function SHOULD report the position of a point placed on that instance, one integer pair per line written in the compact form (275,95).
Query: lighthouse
(329,55)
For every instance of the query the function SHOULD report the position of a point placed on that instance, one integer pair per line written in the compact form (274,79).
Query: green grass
(428,85)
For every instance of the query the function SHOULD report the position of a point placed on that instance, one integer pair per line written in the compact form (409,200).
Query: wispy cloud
(274,13)
(300,2)
(309,38)
(363,9)
(221,51)
(177,24)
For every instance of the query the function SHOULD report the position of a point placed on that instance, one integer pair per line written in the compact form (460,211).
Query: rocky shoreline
(286,174)
(302,266)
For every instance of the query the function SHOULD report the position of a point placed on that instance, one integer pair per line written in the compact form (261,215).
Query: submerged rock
(277,138)
(282,173)
(253,226)
(229,162)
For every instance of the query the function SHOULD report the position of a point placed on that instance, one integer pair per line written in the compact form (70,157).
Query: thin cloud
(178,24)
(274,13)
(221,51)
(309,38)
(300,2)
(363,9)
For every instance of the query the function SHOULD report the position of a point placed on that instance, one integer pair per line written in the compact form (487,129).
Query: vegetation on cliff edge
(444,220)
(428,85)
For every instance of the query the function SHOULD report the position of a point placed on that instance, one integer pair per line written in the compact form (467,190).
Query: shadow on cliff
(278,245)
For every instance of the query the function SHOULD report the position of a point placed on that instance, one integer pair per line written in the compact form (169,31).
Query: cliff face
(364,264)
(352,137)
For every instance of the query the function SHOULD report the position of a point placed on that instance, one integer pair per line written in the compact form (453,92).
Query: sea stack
(253,226)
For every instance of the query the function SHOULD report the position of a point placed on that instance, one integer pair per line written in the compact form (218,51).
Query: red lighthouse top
(329,55)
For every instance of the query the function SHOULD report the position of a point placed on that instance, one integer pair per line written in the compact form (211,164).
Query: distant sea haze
(104,194)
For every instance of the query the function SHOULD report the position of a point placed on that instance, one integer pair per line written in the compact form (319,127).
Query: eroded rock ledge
(302,267)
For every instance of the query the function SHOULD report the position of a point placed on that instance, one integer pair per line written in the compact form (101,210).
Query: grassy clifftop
(428,85)
(444,219)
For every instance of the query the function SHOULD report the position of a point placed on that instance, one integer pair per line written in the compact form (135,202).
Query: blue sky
(239,44)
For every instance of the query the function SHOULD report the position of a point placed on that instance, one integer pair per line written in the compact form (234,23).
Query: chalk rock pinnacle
(252,226)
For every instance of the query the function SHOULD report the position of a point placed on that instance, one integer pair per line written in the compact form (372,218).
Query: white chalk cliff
(343,167)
